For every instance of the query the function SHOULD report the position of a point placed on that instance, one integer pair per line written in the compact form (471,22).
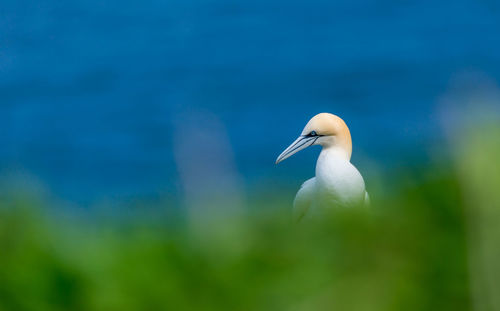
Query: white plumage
(337,183)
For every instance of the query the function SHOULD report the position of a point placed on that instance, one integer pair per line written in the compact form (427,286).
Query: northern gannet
(337,183)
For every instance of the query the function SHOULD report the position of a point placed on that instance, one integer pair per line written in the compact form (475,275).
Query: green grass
(430,242)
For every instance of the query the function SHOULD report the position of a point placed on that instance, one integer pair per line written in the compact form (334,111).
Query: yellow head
(323,129)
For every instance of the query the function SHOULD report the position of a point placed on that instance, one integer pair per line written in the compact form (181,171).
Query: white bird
(337,183)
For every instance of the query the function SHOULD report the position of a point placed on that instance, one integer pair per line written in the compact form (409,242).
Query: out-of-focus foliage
(430,242)
(478,165)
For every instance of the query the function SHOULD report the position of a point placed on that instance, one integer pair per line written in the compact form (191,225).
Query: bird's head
(323,129)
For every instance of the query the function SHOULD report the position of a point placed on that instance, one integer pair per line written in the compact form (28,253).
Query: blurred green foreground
(430,242)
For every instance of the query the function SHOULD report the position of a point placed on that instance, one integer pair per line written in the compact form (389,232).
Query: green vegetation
(430,242)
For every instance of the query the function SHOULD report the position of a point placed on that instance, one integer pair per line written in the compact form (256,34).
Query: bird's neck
(333,154)
(330,160)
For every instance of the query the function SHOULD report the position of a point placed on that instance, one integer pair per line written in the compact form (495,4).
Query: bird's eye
(313,133)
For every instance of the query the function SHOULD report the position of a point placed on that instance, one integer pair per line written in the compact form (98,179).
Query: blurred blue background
(119,99)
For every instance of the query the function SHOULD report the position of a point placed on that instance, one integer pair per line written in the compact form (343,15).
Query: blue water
(93,94)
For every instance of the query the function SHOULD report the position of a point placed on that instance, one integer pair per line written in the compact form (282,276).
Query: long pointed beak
(300,143)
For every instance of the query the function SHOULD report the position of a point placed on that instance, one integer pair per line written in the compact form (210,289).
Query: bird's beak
(300,143)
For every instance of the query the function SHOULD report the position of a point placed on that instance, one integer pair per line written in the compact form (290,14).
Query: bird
(338,183)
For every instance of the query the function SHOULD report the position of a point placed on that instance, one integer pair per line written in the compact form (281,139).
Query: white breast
(338,182)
